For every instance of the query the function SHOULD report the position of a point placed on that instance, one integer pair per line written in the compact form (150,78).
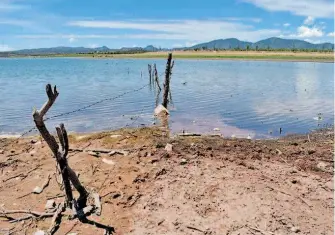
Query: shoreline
(228,55)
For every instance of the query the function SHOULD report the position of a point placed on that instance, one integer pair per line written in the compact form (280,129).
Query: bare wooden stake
(167,81)
(150,74)
(157,78)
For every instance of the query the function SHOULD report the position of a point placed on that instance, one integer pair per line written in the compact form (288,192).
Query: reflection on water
(241,98)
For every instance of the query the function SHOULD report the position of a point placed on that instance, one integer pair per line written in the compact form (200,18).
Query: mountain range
(273,43)
(230,43)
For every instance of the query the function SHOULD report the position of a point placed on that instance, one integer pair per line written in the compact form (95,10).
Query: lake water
(240,98)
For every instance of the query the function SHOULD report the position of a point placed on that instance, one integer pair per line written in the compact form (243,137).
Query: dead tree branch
(31,214)
(56,219)
(23,175)
(60,153)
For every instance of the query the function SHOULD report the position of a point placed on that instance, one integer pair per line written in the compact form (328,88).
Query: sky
(166,24)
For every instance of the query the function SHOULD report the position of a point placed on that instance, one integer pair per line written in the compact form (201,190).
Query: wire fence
(79,110)
(86,107)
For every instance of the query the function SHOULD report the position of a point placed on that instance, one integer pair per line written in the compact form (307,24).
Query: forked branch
(60,154)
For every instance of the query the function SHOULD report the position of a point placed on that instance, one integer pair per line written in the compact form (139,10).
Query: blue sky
(127,23)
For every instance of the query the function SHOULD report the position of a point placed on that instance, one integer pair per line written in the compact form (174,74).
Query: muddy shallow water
(240,98)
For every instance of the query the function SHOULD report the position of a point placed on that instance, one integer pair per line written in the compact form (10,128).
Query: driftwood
(261,231)
(60,153)
(23,175)
(31,214)
(189,134)
(96,152)
(97,203)
(56,218)
(196,229)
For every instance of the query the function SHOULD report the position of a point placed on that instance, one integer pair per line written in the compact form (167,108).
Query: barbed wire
(134,120)
(76,110)
(81,109)
(95,103)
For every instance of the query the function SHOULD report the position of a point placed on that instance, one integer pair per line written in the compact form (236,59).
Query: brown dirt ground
(206,185)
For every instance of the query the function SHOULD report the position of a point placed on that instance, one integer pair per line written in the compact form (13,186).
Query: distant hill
(229,43)
(273,43)
(76,50)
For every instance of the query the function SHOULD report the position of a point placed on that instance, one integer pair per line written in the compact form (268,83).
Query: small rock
(322,166)
(94,154)
(294,181)
(2,151)
(161,110)
(168,148)
(293,170)
(37,190)
(295,229)
(72,233)
(50,205)
(160,222)
(109,162)
(311,151)
(279,152)
(183,161)
(115,136)
(249,137)
(330,185)
(33,141)
(39,232)
(32,152)
(216,129)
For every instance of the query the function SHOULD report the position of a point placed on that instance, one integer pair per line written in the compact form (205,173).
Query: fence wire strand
(75,111)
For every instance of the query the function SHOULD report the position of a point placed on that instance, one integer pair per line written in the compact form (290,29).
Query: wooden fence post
(150,74)
(166,86)
(156,78)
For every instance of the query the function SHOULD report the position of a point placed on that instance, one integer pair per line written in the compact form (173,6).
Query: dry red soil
(205,185)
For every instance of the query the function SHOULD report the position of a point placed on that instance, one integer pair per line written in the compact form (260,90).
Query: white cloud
(309,20)
(286,24)
(177,45)
(72,39)
(190,44)
(330,34)
(314,8)
(93,45)
(15,22)
(5,48)
(202,30)
(312,41)
(247,19)
(8,6)
(306,32)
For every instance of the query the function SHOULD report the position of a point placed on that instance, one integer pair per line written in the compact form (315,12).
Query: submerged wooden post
(150,73)
(156,78)
(166,86)
(68,175)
